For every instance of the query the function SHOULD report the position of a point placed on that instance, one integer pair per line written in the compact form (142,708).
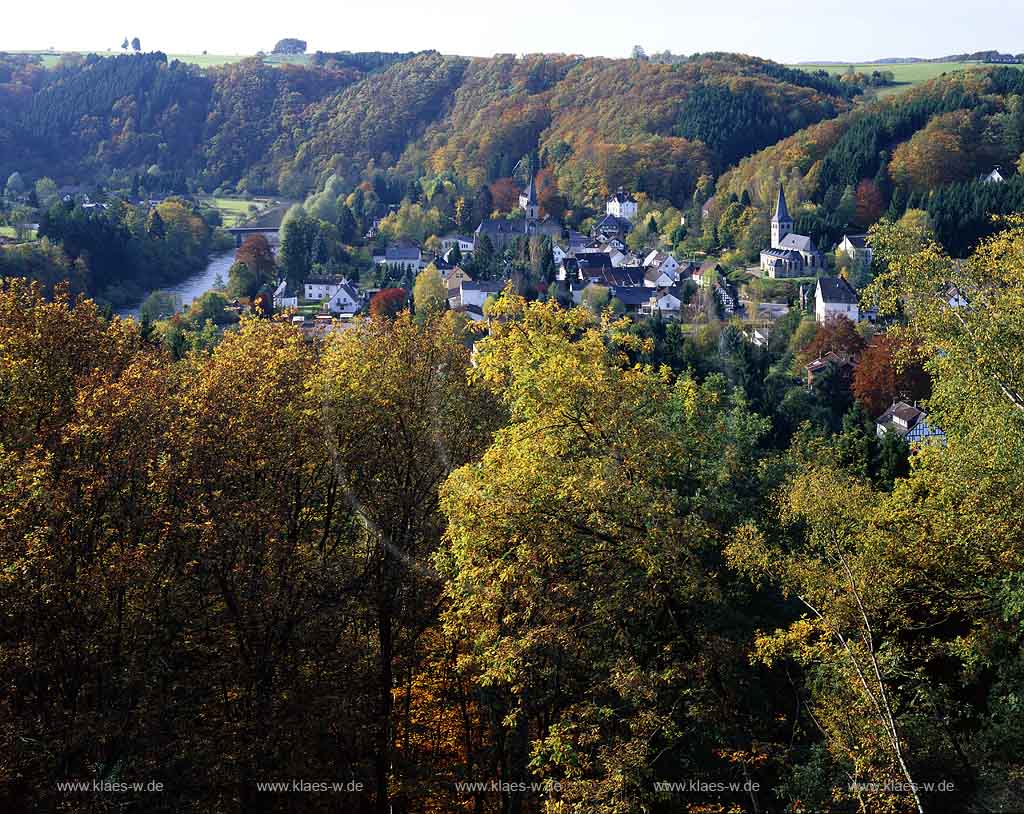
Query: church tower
(528,201)
(782,223)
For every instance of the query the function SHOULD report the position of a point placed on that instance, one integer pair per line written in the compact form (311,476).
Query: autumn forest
(541,555)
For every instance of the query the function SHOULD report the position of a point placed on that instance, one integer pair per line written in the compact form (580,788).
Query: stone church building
(791,255)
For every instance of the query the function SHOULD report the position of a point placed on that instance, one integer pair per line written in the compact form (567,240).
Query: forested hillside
(924,150)
(597,566)
(598,123)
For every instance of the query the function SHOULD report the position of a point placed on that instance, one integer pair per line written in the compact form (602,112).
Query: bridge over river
(266,223)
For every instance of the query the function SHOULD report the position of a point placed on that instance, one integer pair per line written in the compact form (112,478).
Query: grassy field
(236,210)
(906,75)
(8,231)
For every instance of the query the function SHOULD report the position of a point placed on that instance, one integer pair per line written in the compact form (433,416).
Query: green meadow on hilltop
(906,74)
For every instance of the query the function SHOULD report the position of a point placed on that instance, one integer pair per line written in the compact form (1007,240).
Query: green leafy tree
(429,293)
(160,305)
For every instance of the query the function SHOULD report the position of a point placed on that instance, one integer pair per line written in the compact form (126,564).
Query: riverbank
(191,287)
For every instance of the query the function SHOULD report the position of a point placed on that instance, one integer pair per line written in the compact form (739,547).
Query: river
(191,287)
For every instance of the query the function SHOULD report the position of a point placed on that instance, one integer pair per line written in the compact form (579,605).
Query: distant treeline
(366,61)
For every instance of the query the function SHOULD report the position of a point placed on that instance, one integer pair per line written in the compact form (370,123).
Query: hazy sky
(784,30)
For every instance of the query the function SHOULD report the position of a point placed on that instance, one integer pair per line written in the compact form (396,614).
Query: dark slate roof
(800,243)
(487,286)
(350,290)
(611,223)
(593,260)
(398,252)
(783,254)
(634,297)
(623,278)
(321,280)
(836,289)
(621,196)
(530,193)
(781,210)
(576,240)
(909,414)
(858,241)
(502,226)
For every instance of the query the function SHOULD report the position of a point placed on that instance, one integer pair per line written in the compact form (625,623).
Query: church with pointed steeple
(528,200)
(502,232)
(790,255)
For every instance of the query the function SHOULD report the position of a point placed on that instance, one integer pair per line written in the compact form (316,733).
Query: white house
(344,300)
(320,288)
(726,295)
(452,240)
(856,248)
(621,205)
(658,277)
(664,303)
(665,265)
(616,256)
(471,293)
(281,298)
(834,297)
(402,256)
(908,422)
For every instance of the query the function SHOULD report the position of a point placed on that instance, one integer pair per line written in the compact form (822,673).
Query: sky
(783,30)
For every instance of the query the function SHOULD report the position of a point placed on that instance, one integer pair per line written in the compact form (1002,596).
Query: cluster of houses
(652,284)
(906,421)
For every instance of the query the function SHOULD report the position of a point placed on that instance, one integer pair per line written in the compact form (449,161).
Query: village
(600,266)
(599,271)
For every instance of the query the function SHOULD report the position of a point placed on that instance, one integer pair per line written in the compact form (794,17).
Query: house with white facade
(621,205)
(725,294)
(662,268)
(282,298)
(908,422)
(664,303)
(402,257)
(344,300)
(834,297)
(857,249)
(471,293)
(320,288)
(464,242)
